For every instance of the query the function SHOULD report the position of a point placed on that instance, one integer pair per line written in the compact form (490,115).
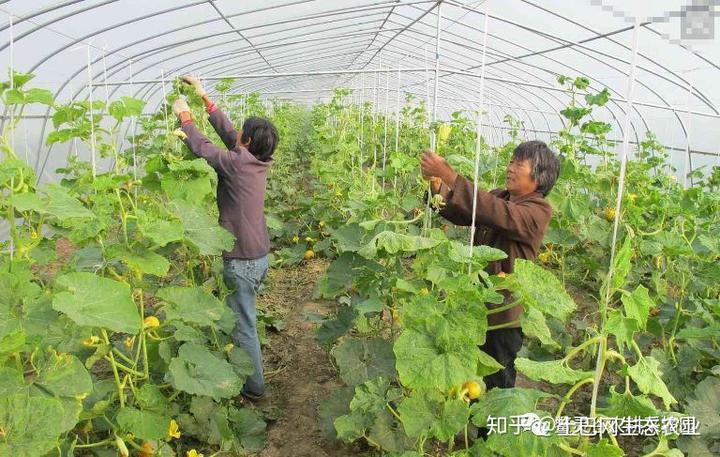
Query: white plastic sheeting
(529,44)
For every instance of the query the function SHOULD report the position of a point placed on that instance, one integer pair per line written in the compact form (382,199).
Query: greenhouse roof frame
(311,46)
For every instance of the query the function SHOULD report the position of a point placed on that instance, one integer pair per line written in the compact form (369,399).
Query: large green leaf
(637,305)
(622,327)
(429,413)
(514,401)
(191,304)
(146,425)
(30,424)
(533,324)
(648,377)
(64,375)
(198,371)
(393,243)
(94,301)
(202,230)
(538,288)
(62,205)
(336,405)
(189,180)
(422,364)
(628,405)
(705,406)
(147,262)
(361,360)
(161,232)
(554,371)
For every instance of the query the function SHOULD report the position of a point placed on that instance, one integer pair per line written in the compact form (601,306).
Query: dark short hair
(544,163)
(264,137)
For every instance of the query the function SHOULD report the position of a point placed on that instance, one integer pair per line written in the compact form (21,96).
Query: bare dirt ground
(299,372)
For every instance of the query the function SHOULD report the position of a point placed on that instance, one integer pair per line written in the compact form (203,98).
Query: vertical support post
(397,124)
(362,119)
(599,366)
(433,138)
(92,115)
(385,124)
(478,137)
(686,161)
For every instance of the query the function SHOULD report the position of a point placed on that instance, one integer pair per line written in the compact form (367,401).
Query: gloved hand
(180,106)
(193,81)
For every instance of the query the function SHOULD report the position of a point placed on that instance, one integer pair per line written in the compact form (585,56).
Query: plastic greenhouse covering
(133,323)
(135,48)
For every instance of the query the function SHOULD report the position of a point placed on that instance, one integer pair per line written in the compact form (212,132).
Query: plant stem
(570,393)
(504,325)
(116,375)
(576,350)
(599,368)
(502,308)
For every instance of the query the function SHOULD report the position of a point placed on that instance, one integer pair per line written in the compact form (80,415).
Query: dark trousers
(503,345)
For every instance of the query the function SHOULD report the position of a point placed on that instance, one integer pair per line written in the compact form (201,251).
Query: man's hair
(544,163)
(264,137)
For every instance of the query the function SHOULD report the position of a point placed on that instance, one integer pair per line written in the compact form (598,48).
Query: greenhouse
(359,228)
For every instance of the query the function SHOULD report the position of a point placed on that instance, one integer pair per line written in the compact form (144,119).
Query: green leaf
(361,360)
(705,406)
(241,362)
(429,413)
(422,364)
(30,424)
(14,97)
(198,371)
(191,304)
(202,231)
(599,99)
(189,180)
(147,261)
(637,305)
(20,79)
(336,405)
(538,288)
(146,425)
(62,205)
(393,243)
(621,265)
(533,324)
(42,96)
(27,202)
(64,375)
(622,327)
(248,428)
(97,302)
(604,448)
(125,107)
(648,377)
(514,401)
(554,371)
(628,405)
(332,329)
(149,397)
(161,232)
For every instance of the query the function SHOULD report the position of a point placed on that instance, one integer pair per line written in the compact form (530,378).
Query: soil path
(299,373)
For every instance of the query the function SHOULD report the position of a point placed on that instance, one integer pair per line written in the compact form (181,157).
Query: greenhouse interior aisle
(399,228)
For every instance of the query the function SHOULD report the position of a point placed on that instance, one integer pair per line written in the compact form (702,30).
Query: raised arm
(220,122)
(520,221)
(218,158)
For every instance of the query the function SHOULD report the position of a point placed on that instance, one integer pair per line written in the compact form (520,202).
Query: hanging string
(362,119)
(397,124)
(12,122)
(618,203)
(133,126)
(686,162)
(478,139)
(385,125)
(427,223)
(165,108)
(92,115)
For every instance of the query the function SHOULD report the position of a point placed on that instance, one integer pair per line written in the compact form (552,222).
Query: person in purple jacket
(242,168)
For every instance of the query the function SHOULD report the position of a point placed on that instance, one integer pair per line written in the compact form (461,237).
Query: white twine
(92,115)
(478,142)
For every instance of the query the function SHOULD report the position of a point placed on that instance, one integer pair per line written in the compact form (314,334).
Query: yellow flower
(501,274)
(296,239)
(193,453)
(173,430)
(129,341)
(151,322)
(92,341)
(424,291)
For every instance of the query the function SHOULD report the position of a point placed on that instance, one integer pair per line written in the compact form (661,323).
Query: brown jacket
(516,225)
(242,179)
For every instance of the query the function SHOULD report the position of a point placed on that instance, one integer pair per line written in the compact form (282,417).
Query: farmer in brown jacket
(242,167)
(512,219)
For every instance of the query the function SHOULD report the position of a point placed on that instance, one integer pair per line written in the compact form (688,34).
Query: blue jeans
(244,278)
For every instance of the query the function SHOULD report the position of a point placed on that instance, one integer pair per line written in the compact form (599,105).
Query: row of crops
(114,336)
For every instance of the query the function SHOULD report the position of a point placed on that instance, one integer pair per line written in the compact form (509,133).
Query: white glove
(180,106)
(193,81)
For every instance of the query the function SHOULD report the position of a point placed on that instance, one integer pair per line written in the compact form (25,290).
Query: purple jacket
(241,186)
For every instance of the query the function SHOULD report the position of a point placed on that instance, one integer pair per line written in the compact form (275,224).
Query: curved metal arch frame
(392,7)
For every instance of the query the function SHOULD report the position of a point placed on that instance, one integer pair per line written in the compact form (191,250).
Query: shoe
(253,397)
